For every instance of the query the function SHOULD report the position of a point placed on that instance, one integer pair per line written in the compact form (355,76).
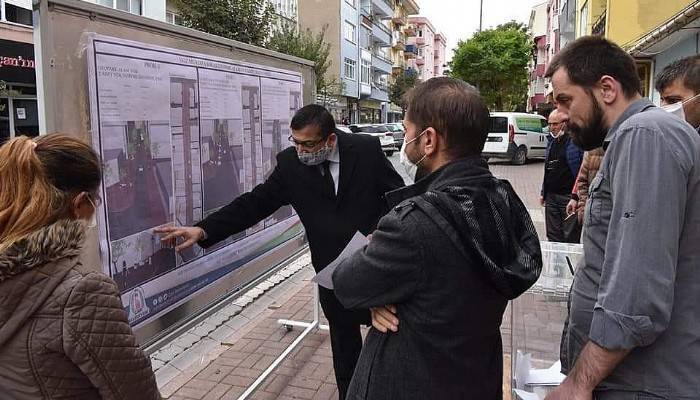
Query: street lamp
(481,15)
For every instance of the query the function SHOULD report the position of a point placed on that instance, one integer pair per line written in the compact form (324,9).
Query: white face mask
(93,219)
(408,165)
(677,108)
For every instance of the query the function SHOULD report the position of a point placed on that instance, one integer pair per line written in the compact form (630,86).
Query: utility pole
(481,15)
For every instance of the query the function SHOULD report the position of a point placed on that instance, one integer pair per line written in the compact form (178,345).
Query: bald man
(562,162)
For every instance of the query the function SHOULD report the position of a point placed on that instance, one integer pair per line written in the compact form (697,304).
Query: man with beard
(561,165)
(634,329)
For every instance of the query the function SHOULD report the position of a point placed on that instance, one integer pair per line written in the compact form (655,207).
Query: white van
(516,137)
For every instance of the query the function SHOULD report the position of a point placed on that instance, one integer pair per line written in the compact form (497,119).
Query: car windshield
(394,128)
(374,129)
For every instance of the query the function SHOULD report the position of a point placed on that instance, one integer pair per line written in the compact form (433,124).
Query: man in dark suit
(336,182)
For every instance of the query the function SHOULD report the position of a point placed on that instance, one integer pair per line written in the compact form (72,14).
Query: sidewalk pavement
(225,371)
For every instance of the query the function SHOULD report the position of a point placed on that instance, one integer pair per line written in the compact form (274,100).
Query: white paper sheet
(523,395)
(325,277)
(550,376)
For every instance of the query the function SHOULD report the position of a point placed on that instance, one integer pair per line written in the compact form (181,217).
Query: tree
(247,21)
(403,82)
(496,62)
(304,44)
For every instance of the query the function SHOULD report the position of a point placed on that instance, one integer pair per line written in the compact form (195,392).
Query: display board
(182,134)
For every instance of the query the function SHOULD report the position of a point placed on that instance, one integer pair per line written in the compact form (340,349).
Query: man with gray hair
(561,165)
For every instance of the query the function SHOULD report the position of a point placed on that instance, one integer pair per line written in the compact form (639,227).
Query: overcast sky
(459,19)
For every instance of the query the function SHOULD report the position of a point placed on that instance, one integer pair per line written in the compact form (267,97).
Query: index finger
(165,229)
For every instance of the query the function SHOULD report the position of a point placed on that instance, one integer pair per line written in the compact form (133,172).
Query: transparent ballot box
(537,321)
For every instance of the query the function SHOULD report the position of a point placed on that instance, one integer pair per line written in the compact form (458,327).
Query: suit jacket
(330,221)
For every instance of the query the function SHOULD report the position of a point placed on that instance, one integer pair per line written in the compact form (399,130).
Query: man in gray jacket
(457,246)
(634,325)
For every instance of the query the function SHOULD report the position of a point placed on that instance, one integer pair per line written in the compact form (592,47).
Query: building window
(19,13)
(350,68)
(420,33)
(365,72)
(131,6)
(349,32)
(583,23)
(172,18)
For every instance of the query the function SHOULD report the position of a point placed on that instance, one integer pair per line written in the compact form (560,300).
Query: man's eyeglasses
(307,144)
(554,123)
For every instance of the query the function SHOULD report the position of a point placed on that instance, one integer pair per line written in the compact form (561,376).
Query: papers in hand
(325,276)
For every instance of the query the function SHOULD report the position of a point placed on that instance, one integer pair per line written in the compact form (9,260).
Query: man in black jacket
(456,247)
(336,182)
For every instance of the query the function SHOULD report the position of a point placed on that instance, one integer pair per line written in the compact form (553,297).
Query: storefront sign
(21,113)
(17,62)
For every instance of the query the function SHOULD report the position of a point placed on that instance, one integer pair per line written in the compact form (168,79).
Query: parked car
(399,132)
(386,138)
(343,128)
(516,137)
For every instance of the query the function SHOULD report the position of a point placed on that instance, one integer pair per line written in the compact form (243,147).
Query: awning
(668,33)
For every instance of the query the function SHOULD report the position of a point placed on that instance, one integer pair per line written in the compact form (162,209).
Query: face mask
(317,157)
(677,108)
(93,219)
(408,165)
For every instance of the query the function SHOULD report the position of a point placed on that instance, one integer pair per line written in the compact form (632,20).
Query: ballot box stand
(308,327)
(537,321)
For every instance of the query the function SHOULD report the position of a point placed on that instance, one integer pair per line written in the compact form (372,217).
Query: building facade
(426,49)
(538,30)
(401,30)
(19,113)
(18,106)
(360,33)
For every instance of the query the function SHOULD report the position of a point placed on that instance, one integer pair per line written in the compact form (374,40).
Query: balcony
(381,64)
(399,20)
(379,92)
(398,42)
(381,34)
(410,48)
(410,30)
(420,41)
(382,8)
(420,61)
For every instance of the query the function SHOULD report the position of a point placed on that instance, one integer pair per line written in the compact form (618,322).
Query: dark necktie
(328,184)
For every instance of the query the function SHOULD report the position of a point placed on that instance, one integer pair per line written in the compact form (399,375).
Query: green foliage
(247,21)
(403,82)
(496,62)
(305,44)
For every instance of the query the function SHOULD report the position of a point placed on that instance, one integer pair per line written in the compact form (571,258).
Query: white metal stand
(289,325)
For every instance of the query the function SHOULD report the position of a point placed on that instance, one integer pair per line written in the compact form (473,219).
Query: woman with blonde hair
(63,330)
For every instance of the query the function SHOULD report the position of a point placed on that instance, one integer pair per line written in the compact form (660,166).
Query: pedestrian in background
(561,166)
(579,196)
(679,86)
(457,246)
(63,330)
(634,329)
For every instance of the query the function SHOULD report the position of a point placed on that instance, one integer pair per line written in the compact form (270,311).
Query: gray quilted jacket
(63,331)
